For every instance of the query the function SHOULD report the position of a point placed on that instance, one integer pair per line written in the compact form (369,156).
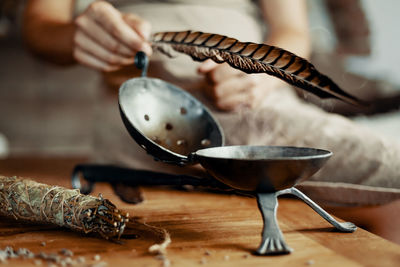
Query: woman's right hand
(107,40)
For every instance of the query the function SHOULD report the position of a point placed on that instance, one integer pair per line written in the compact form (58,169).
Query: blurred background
(48,110)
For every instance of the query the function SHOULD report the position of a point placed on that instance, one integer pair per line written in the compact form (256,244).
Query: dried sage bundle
(31,201)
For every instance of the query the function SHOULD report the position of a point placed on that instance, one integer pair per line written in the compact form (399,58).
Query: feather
(252,58)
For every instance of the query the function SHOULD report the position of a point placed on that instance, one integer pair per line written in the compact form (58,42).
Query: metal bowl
(261,168)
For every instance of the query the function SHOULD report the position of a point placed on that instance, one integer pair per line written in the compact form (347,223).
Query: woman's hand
(231,89)
(106,40)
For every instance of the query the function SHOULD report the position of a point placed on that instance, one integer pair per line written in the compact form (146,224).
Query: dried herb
(31,201)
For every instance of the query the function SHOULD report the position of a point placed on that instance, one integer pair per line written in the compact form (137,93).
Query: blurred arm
(48,29)
(287,22)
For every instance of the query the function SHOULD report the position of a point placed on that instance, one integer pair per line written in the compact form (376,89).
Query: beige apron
(365,168)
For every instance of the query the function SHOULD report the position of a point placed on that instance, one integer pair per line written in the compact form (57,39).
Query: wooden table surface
(206,229)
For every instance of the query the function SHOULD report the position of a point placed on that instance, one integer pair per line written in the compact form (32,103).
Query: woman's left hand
(231,89)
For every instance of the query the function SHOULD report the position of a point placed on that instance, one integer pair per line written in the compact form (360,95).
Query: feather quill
(252,58)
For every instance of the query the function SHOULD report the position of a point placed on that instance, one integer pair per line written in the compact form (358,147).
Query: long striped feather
(253,58)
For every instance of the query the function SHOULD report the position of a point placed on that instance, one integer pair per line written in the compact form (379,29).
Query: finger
(223,72)
(234,85)
(251,98)
(93,48)
(111,19)
(98,34)
(142,27)
(233,102)
(88,60)
(207,66)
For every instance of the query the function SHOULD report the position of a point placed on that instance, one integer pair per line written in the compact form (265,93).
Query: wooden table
(207,229)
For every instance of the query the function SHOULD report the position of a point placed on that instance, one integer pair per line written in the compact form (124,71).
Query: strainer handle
(142,62)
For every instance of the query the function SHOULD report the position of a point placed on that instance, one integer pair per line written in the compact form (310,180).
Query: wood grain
(207,229)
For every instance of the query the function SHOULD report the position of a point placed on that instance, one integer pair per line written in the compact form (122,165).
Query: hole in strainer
(169,126)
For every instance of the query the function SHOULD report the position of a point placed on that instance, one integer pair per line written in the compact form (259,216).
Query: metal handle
(93,173)
(346,227)
(142,62)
